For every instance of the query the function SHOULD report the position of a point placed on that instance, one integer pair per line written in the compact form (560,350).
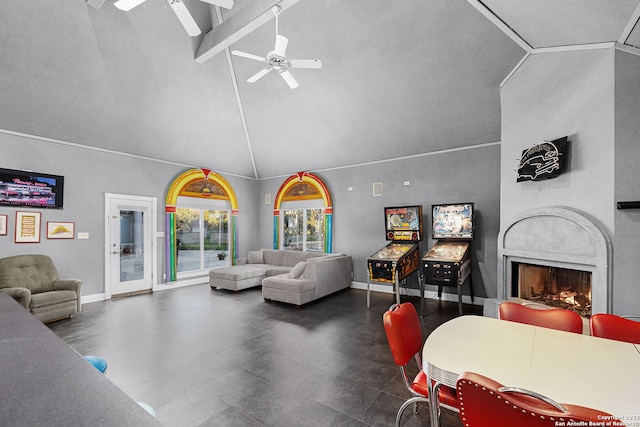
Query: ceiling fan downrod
(276,11)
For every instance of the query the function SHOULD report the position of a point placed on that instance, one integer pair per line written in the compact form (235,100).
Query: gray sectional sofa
(288,276)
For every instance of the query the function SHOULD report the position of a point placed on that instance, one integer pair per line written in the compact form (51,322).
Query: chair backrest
(34,272)
(404,333)
(553,318)
(614,327)
(485,402)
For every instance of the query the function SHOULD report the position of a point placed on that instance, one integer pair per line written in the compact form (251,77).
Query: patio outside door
(130,251)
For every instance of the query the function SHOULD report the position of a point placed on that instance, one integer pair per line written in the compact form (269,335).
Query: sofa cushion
(237,272)
(256,257)
(291,258)
(274,270)
(274,257)
(43,299)
(310,271)
(34,272)
(284,282)
(298,269)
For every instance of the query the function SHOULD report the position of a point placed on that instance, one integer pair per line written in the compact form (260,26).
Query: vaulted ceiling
(398,78)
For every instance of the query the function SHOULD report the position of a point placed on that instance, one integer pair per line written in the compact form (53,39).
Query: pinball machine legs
(421,284)
(396,289)
(459,293)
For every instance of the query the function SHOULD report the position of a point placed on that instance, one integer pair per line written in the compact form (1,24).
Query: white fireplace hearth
(559,237)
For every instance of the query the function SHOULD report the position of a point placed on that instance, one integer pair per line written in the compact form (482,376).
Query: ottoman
(236,277)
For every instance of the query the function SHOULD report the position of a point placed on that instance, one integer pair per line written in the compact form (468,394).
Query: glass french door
(202,239)
(130,230)
(302,229)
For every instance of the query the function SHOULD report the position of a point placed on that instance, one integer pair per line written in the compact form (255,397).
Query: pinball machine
(400,258)
(448,262)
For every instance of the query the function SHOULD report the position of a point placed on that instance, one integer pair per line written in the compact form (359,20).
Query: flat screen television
(403,223)
(452,221)
(31,189)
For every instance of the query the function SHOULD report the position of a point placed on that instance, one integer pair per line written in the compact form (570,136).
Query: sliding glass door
(302,227)
(202,237)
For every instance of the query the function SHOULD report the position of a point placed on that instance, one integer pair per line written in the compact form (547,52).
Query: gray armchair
(33,281)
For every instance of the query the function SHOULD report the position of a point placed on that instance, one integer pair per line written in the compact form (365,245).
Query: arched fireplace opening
(556,256)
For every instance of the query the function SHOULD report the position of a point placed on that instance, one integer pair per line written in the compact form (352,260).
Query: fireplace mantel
(557,236)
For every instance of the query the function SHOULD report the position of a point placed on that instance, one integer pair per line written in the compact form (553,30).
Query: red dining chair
(484,402)
(553,318)
(404,333)
(614,327)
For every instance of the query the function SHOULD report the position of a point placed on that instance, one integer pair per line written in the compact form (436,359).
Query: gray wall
(451,176)
(550,96)
(89,174)
(467,175)
(626,240)
(593,96)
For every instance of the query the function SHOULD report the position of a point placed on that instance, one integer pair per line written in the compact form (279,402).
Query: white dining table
(569,368)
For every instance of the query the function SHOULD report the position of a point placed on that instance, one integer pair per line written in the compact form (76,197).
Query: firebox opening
(553,286)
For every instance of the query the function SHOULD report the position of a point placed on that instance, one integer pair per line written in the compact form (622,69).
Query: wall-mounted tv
(452,221)
(403,223)
(31,189)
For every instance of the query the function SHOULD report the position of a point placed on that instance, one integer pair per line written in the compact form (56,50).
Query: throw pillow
(298,269)
(256,257)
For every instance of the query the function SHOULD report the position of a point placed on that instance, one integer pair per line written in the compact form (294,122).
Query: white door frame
(107,238)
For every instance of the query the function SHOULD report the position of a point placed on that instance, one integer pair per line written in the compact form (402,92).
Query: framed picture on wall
(60,230)
(27,227)
(3,225)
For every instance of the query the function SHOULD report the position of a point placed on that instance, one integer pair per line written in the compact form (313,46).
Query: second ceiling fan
(179,9)
(277,61)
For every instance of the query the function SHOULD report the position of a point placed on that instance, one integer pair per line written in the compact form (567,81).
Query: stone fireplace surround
(555,236)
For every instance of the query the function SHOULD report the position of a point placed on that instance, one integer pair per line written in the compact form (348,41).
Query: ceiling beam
(238,25)
(630,25)
(498,22)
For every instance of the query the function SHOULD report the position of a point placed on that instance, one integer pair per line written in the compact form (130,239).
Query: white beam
(630,25)
(498,22)
(238,25)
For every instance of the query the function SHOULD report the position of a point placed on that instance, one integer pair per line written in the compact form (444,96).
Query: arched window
(303,215)
(201,223)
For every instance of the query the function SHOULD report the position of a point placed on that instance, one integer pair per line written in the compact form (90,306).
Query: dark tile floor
(217,358)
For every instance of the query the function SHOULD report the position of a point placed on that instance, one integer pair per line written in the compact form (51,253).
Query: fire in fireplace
(553,287)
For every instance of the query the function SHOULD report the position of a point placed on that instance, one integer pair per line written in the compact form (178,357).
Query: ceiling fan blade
(305,63)
(185,17)
(248,55)
(288,77)
(281,45)
(127,5)
(258,75)
(227,4)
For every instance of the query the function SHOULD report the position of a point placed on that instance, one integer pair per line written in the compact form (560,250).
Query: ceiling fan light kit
(276,59)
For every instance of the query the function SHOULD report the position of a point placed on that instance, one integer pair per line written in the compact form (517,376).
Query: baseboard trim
(88,299)
(428,293)
(375,287)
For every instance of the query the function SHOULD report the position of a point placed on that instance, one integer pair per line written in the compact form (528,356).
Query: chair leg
(413,400)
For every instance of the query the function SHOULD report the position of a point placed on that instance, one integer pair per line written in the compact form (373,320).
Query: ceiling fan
(276,59)
(179,9)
